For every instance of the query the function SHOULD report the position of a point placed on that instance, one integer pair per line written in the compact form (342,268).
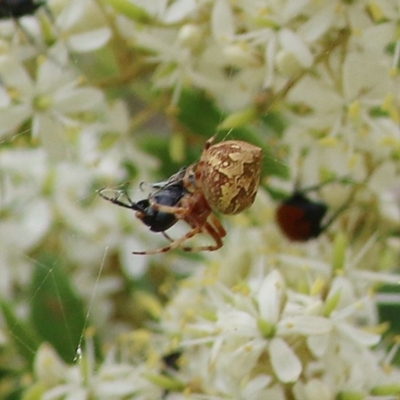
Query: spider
(225,180)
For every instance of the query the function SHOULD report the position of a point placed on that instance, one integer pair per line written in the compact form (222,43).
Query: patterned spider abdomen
(229,175)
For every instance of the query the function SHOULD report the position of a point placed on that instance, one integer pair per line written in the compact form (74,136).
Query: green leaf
(238,119)
(130,10)
(57,313)
(389,313)
(275,123)
(339,253)
(16,394)
(23,335)
(160,148)
(351,396)
(386,390)
(34,392)
(165,382)
(198,113)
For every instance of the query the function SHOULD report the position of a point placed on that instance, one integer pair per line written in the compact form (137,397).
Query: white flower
(80,33)
(262,318)
(264,326)
(50,369)
(53,100)
(113,381)
(26,215)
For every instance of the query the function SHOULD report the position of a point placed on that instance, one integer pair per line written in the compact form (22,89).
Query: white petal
(179,10)
(319,23)
(372,79)
(59,53)
(28,163)
(253,387)
(222,21)
(345,289)
(71,14)
(293,44)
(51,76)
(37,219)
(76,393)
(89,41)
(57,392)
(304,325)
(27,230)
(115,388)
(12,117)
(14,75)
(77,99)
(118,116)
(238,323)
(5,99)
(243,359)
(357,335)
(49,368)
(378,36)
(318,344)
(52,137)
(293,8)
(133,266)
(313,389)
(284,361)
(270,297)
(318,98)
(383,178)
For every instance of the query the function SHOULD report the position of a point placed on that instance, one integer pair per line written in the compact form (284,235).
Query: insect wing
(173,180)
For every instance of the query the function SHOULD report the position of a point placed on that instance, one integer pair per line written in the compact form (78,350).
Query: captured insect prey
(225,180)
(166,193)
(18,8)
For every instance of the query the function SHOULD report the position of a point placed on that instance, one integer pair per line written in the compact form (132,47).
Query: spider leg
(217,225)
(176,243)
(215,233)
(210,141)
(179,212)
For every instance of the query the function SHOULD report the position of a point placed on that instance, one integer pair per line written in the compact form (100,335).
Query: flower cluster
(112,93)
(277,324)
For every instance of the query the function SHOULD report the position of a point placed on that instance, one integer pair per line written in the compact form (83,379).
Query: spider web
(55,302)
(53,287)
